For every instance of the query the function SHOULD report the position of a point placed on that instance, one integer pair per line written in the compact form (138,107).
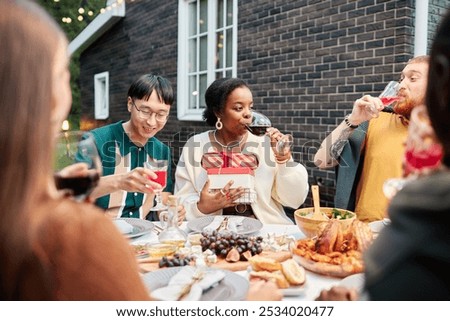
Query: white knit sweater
(276,185)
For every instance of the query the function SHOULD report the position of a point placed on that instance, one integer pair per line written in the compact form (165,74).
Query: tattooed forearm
(337,147)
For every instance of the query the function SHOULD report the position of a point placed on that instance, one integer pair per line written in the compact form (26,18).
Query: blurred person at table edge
(410,259)
(279,181)
(51,247)
(124,189)
(367,148)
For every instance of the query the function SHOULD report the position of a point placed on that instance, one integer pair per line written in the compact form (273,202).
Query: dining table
(314,282)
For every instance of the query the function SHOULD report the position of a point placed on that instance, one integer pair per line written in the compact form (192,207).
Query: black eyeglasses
(146,113)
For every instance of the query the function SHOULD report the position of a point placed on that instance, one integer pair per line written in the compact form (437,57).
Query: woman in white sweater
(279,181)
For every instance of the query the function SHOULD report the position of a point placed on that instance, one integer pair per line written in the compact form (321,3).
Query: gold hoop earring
(219,124)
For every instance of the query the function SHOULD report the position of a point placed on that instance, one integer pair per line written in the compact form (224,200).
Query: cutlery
(158,229)
(317,215)
(196,277)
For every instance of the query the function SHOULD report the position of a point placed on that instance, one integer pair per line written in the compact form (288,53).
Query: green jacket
(111,140)
(349,169)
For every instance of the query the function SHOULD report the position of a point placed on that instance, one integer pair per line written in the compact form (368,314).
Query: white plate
(294,290)
(232,288)
(249,225)
(140,227)
(355,281)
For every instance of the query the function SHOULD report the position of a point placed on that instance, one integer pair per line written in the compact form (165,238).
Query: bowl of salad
(312,227)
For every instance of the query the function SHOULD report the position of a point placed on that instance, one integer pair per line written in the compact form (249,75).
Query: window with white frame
(207,50)
(101,90)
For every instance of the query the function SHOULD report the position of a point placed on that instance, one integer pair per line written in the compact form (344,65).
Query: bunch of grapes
(176,260)
(221,243)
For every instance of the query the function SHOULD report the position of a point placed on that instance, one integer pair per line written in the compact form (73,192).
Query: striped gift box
(222,159)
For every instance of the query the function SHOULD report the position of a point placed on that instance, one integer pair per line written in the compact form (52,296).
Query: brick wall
(309,61)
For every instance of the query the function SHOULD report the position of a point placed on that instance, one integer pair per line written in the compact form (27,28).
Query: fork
(158,229)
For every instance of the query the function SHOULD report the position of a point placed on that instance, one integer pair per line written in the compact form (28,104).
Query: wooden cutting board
(149,265)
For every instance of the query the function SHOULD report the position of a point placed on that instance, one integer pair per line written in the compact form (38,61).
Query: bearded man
(367,148)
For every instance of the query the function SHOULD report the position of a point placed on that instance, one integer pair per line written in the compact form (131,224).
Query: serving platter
(246,225)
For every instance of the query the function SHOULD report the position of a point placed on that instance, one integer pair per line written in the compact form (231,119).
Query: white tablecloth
(314,282)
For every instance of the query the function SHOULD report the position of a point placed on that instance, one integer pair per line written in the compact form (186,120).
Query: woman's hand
(214,200)
(275,136)
(338,293)
(261,290)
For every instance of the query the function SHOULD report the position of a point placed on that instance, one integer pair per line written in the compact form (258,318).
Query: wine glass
(388,96)
(77,164)
(390,93)
(159,167)
(258,127)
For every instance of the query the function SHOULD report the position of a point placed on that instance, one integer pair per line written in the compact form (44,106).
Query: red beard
(405,107)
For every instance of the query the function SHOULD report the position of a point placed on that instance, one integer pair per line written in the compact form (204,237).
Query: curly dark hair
(438,88)
(216,97)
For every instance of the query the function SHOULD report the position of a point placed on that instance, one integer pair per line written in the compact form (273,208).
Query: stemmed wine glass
(390,93)
(387,96)
(77,164)
(159,167)
(258,127)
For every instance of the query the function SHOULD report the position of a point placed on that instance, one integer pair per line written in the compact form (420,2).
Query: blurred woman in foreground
(51,247)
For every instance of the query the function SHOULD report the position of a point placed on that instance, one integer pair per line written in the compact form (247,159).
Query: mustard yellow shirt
(384,150)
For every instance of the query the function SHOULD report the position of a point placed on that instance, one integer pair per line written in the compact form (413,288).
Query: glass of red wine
(390,92)
(77,164)
(258,127)
(159,167)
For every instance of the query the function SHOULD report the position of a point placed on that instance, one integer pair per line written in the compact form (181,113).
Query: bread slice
(293,272)
(275,276)
(260,263)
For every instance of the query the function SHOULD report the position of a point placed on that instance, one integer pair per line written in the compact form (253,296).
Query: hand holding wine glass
(259,125)
(159,167)
(77,164)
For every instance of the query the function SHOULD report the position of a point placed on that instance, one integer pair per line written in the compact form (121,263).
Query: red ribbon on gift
(224,159)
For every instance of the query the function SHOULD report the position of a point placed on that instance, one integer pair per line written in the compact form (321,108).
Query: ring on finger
(223,192)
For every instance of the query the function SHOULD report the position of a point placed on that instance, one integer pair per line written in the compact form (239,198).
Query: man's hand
(338,293)
(365,108)
(138,180)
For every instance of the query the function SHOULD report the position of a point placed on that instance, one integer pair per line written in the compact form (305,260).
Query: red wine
(388,100)
(161,178)
(257,130)
(78,185)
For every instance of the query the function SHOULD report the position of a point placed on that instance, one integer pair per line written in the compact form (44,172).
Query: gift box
(241,176)
(223,167)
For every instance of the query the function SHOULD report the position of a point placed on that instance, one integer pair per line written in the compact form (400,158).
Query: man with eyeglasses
(125,189)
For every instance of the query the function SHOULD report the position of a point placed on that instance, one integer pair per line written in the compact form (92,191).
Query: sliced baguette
(260,263)
(293,272)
